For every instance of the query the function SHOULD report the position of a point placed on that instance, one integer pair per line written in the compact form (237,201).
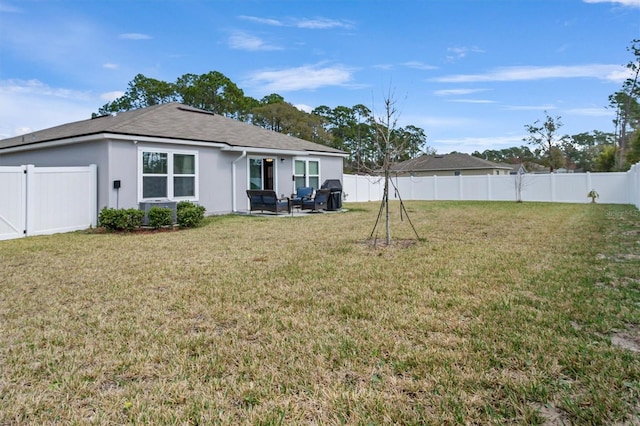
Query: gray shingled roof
(175,121)
(454,161)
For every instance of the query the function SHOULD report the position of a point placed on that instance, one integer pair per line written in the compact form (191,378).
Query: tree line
(589,151)
(370,143)
(354,129)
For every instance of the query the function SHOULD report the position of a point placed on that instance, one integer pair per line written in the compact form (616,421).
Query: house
(454,164)
(172,152)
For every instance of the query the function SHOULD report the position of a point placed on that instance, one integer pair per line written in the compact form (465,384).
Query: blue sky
(471,73)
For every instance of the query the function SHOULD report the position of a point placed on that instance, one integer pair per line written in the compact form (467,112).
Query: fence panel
(13,202)
(61,199)
(47,200)
(613,188)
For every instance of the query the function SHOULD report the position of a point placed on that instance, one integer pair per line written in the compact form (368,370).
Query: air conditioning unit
(146,206)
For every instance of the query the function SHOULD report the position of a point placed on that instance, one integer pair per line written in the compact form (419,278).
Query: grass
(503,313)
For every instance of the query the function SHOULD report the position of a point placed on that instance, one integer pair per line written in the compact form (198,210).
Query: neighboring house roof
(172,121)
(454,161)
(515,168)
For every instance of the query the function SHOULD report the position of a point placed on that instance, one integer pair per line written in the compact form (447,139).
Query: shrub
(160,217)
(189,215)
(120,219)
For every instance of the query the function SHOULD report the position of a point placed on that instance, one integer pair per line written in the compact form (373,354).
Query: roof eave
(107,136)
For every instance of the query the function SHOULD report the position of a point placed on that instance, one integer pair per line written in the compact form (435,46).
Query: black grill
(335,199)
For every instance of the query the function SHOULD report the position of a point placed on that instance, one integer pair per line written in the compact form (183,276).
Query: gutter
(233,180)
(275,151)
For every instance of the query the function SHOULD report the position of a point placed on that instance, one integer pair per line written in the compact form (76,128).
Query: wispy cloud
(473,101)
(110,66)
(482,143)
(630,3)
(460,52)
(307,23)
(457,92)
(547,107)
(47,106)
(265,21)
(419,65)
(321,23)
(614,73)
(307,77)
(243,41)
(591,112)
(135,36)
(36,87)
(111,96)
(5,8)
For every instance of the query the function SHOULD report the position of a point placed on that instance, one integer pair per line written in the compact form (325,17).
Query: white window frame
(306,161)
(170,175)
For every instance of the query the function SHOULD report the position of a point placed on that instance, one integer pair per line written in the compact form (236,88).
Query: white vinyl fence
(46,200)
(613,188)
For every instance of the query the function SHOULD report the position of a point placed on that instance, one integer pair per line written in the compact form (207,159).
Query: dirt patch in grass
(628,339)
(552,416)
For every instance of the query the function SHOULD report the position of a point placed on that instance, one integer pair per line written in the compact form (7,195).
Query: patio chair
(317,203)
(301,193)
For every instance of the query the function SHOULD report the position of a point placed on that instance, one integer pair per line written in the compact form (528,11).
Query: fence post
(31,199)
(93,171)
(435,187)
(460,189)
(553,186)
(489,194)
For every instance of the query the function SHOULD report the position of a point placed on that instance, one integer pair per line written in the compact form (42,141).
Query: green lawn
(502,313)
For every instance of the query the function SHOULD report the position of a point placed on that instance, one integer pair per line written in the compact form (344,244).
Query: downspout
(233,181)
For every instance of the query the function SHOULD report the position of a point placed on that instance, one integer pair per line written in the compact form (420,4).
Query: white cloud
(461,52)
(110,66)
(243,41)
(111,96)
(470,144)
(266,21)
(302,78)
(306,23)
(135,36)
(530,107)
(5,8)
(456,92)
(630,3)
(419,65)
(591,112)
(304,107)
(321,23)
(473,101)
(613,73)
(30,105)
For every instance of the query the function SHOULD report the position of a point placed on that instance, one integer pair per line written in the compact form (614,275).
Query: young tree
(545,136)
(390,143)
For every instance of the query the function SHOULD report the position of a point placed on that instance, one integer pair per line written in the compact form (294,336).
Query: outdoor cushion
(319,202)
(267,200)
(301,193)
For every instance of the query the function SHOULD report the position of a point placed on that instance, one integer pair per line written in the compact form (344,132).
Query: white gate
(13,202)
(47,200)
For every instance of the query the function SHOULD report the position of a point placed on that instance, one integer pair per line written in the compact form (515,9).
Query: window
(168,175)
(307,173)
